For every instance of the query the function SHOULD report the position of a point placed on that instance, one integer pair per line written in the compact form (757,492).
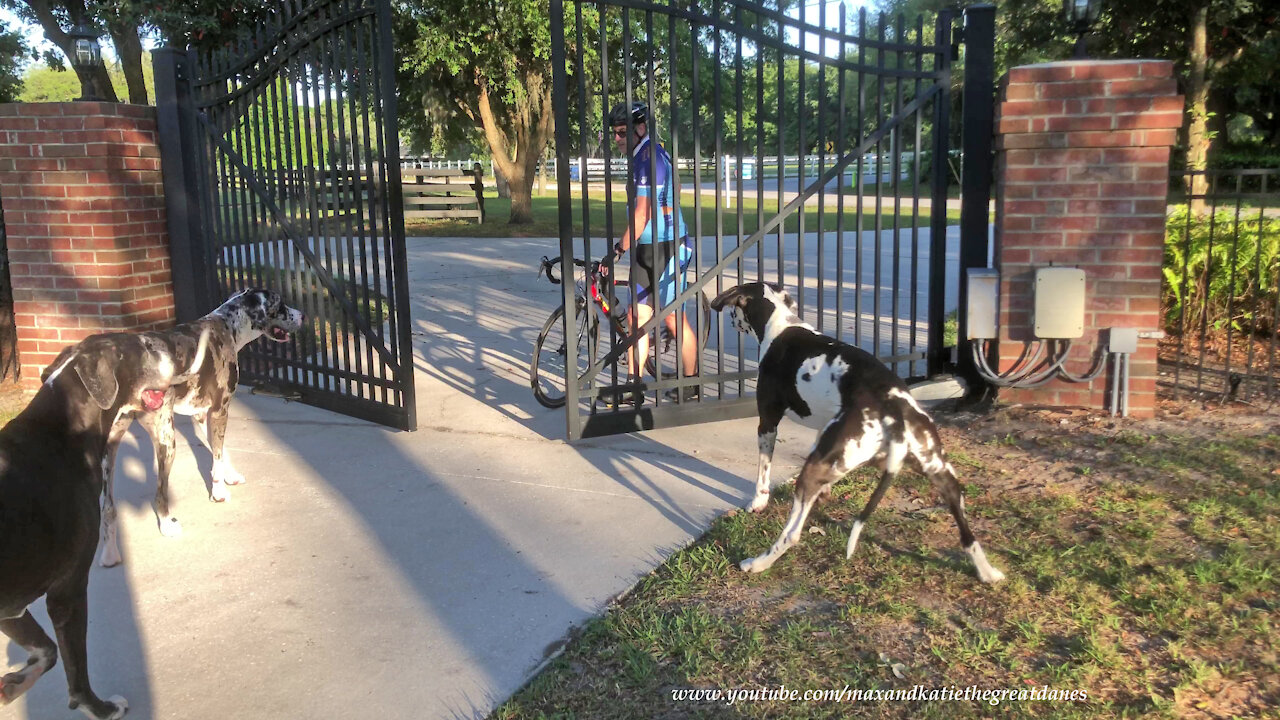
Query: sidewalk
(368,573)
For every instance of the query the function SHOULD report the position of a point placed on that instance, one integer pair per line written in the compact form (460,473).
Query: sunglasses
(620,133)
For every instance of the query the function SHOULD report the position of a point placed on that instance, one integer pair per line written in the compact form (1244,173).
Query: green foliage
(202,23)
(45,84)
(1243,158)
(13,51)
(451,52)
(41,83)
(1221,271)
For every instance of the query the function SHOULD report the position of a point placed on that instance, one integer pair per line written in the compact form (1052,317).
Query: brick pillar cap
(76,108)
(1067,70)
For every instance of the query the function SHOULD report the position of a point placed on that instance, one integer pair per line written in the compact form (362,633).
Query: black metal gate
(851,123)
(282,170)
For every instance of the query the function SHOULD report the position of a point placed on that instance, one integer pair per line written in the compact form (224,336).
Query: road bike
(593,306)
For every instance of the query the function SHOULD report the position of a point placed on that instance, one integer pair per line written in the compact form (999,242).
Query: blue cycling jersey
(652,160)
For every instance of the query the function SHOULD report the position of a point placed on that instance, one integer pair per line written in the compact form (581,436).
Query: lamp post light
(1082,14)
(86,54)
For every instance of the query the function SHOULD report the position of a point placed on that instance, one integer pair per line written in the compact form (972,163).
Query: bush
(1245,298)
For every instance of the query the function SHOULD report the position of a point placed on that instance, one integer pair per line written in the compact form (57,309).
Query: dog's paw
(219,492)
(110,555)
(754,565)
(13,685)
(170,528)
(231,476)
(113,708)
(991,576)
(759,502)
(986,572)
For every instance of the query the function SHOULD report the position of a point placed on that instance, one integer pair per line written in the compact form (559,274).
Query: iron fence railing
(282,170)
(730,84)
(1221,272)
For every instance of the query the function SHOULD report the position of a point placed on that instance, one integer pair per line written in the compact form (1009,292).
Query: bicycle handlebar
(547,267)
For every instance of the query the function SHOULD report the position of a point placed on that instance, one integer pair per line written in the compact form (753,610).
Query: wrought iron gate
(282,170)
(853,220)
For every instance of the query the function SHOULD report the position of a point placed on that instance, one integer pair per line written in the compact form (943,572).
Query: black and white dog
(53,459)
(206,397)
(865,412)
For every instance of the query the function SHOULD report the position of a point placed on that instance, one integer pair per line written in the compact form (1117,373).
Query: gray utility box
(983,313)
(1059,303)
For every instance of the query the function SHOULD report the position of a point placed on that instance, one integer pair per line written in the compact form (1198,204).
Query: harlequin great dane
(53,461)
(865,412)
(206,397)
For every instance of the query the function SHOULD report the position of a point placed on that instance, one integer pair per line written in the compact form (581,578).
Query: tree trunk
(1198,138)
(517,159)
(129,48)
(521,200)
(542,175)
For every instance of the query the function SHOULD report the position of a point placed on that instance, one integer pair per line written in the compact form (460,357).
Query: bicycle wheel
(701,322)
(551,352)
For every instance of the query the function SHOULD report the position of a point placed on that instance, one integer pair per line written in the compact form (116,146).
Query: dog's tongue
(152,399)
(279,334)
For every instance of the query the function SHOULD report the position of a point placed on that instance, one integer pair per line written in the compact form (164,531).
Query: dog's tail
(201,348)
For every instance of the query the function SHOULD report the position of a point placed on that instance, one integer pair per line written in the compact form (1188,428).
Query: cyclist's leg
(671,284)
(639,313)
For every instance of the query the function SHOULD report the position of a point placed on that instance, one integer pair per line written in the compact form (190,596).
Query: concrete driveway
(368,573)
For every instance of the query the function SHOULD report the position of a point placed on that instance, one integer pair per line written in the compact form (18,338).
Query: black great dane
(53,459)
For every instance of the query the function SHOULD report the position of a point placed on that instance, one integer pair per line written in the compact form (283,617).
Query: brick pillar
(1082,169)
(84,212)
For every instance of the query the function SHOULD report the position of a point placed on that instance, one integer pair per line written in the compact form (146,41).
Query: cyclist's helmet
(639,113)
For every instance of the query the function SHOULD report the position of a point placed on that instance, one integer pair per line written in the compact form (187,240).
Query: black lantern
(85,51)
(1081,14)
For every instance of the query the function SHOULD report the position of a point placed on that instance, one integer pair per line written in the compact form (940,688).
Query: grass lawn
(1143,570)
(546,224)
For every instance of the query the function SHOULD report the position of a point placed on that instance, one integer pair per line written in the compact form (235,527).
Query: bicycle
(551,350)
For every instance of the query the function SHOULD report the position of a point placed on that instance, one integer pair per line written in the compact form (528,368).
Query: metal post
(560,108)
(175,130)
(936,360)
(975,190)
(394,195)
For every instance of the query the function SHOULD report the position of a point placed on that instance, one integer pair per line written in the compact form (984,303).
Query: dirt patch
(12,400)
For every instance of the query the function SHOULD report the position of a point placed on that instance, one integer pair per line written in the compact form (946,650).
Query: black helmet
(639,113)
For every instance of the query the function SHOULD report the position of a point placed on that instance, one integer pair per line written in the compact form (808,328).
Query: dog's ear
(57,363)
(98,373)
(732,296)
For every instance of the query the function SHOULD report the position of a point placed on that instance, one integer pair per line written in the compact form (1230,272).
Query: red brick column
(84,212)
(1082,167)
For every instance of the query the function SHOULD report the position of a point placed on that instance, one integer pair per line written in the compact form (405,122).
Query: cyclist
(661,250)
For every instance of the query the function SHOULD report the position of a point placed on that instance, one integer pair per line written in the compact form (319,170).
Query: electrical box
(1059,303)
(1123,340)
(983,312)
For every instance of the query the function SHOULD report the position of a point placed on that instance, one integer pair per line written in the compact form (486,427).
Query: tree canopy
(13,53)
(485,69)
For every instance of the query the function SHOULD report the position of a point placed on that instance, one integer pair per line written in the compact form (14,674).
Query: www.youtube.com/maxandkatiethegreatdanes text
(849,694)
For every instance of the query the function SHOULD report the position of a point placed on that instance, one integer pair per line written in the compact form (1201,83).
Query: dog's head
(255,312)
(751,306)
(117,370)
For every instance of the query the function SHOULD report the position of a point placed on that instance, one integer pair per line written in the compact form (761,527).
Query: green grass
(1149,582)
(546,219)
